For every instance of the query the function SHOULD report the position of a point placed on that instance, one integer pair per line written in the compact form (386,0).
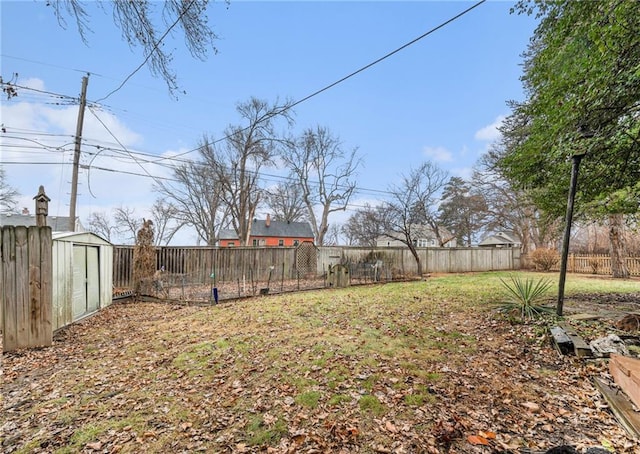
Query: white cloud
(33,82)
(490,132)
(462,172)
(37,149)
(438,154)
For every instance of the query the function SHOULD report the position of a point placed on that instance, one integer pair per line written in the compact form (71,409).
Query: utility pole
(76,155)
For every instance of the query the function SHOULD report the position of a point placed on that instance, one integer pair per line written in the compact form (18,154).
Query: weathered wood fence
(25,287)
(597,264)
(198,264)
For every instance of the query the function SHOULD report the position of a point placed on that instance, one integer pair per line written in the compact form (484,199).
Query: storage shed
(82,276)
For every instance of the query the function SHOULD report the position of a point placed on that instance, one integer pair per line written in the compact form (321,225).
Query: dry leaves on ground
(376,369)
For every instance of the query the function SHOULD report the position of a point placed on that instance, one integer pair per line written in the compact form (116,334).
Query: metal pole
(76,156)
(575,167)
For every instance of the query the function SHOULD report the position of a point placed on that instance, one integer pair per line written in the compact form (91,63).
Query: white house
(500,239)
(424,236)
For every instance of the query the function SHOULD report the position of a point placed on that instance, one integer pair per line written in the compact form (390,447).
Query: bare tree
(8,194)
(165,218)
(325,173)
(413,203)
(137,21)
(238,159)
(285,202)
(510,208)
(100,224)
(127,223)
(365,226)
(197,198)
(332,238)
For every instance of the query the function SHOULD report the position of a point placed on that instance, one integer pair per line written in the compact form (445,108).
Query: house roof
(57,223)
(279,229)
(418,232)
(499,238)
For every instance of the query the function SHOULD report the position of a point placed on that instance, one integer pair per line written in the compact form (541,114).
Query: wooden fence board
(23,315)
(244,265)
(25,295)
(9,295)
(34,300)
(45,310)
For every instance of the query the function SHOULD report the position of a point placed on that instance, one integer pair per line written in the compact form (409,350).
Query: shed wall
(64,269)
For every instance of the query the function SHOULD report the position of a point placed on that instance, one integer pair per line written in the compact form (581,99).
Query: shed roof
(79,237)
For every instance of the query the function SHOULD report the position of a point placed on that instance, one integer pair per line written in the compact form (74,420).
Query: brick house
(265,232)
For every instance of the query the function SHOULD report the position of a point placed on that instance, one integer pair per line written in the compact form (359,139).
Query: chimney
(267,222)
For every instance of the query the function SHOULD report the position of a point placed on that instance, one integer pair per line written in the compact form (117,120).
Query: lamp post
(575,167)
(584,133)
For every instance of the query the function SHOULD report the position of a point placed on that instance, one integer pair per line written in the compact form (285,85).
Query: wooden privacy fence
(25,286)
(198,264)
(597,264)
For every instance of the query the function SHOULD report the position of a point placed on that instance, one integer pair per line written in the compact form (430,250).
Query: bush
(523,296)
(544,259)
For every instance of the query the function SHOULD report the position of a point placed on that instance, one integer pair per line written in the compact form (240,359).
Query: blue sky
(439,99)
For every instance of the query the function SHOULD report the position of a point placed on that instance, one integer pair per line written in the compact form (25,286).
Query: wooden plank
(580,347)
(46,286)
(2,289)
(9,299)
(561,340)
(621,407)
(33,241)
(23,313)
(626,373)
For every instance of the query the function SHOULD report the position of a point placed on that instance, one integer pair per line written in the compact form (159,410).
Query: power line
(46,64)
(358,71)
(125,150)
(155,47)
(384,57)
(50,93)
(176,157)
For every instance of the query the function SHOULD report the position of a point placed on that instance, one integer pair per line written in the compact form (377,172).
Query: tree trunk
(414,252)
(617,248)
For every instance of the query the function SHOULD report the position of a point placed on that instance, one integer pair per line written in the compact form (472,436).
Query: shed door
(93,279)
(86,280)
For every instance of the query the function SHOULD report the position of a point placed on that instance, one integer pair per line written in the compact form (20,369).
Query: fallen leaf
(390,427)
(487,435)
(477,440)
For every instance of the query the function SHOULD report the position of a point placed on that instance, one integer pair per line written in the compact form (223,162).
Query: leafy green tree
(582,79)
(462,210)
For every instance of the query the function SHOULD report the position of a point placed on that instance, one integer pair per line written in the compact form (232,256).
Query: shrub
(544,259)
(523,296)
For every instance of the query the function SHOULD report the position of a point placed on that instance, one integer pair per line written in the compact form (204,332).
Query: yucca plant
(524,295)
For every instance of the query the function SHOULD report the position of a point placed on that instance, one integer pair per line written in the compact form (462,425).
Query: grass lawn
(413,367)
